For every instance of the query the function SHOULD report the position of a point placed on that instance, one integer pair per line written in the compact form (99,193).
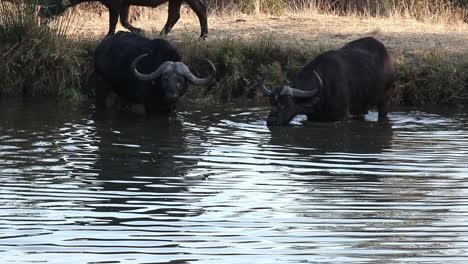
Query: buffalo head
(286,102)
(172,78)
(51,8)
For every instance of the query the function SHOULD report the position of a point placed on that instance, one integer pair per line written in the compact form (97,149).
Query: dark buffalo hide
(121,8)
(142,71)
(337,85)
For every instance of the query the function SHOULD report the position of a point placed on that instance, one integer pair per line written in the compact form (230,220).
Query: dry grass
(37,59)
(431,53)
(402,34)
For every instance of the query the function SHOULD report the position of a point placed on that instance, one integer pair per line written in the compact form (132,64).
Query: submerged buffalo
(336,85)
(122,8)
(143,71)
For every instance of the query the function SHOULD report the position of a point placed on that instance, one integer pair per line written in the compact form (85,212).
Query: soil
(402,36)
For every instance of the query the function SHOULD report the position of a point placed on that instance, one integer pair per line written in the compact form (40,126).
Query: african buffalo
(143,71)
(122,8)
(336,85)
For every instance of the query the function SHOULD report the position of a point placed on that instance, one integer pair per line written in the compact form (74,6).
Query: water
(217,186)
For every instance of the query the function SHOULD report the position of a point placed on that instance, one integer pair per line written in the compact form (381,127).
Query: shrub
(38,59)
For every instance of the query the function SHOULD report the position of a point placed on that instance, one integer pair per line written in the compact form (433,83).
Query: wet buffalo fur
(354,78)
(112,59)
(121,8)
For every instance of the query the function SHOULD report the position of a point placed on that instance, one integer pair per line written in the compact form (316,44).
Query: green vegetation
(240,63)
(431,79)
(38,59)
(428,78)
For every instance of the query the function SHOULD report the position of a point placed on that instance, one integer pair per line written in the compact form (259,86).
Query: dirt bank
(402,36)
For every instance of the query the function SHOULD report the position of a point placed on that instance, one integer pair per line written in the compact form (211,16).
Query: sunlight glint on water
(220,187)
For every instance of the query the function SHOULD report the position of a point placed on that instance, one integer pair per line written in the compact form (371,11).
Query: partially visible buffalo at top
(336,85)
(122,8)
(143,71)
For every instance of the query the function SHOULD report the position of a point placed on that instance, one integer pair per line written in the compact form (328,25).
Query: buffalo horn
(184,70)
(288,90)
(264,90)
(153,75)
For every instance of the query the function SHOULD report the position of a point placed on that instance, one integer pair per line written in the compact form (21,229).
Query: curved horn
(151,76)
(288,90)
(184,70)
(264,90)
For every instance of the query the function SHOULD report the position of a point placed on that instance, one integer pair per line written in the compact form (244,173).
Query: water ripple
(219,186)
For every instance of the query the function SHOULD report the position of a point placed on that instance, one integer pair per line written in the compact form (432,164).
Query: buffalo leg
(358,117)
(385,101)
(200,9)
(384,104)
(101,91)
(383,109)
(172,17)
(311,116)
(113,19)
(382,116)
(124,16)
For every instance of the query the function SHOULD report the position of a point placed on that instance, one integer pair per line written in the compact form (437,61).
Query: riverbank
(431,58)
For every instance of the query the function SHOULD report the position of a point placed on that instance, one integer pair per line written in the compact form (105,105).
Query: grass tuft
(426,78)
(431,79)
(239,63)
(37,59)
(435,11)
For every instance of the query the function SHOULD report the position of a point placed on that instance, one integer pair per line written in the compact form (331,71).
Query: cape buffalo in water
(336,85)
(122,8)
(143,71)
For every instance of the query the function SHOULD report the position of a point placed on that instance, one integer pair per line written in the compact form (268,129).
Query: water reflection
(217,185)
(354,136)
(136,158)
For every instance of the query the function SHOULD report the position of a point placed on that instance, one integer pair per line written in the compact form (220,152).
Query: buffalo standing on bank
(122,8)
(336,85)
(143,71)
